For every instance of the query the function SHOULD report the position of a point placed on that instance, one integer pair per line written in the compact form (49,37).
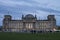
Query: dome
(29,16)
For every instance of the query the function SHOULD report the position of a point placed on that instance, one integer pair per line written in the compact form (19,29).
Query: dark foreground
(29,36)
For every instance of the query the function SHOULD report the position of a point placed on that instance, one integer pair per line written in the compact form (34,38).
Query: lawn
(29,36)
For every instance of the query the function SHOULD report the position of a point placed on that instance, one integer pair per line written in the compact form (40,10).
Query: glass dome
(29,16)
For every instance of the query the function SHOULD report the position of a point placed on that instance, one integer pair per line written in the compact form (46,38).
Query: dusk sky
(42,8)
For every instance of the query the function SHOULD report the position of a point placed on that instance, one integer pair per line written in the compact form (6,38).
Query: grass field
(29,36)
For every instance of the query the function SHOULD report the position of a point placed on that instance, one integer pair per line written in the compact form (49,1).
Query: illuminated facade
(29,23)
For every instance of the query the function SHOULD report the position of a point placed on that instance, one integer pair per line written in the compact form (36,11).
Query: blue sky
(41,8)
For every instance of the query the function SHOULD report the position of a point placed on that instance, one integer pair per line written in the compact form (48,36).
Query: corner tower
(6,20)
(51,18)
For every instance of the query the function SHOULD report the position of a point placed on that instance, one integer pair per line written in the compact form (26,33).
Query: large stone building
(29,23)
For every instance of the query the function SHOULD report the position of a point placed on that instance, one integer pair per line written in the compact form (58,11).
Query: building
(28,23)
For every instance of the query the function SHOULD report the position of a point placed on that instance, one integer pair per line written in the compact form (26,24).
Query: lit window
(29,25)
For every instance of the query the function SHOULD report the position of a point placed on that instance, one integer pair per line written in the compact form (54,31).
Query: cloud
(14,3)
(23,4)
(49,10)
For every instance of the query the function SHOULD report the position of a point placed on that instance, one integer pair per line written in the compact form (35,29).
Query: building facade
(28,23)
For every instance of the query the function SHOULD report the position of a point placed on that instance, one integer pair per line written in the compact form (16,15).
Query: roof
(29,16)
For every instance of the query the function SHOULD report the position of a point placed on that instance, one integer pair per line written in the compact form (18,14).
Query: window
(29,25)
